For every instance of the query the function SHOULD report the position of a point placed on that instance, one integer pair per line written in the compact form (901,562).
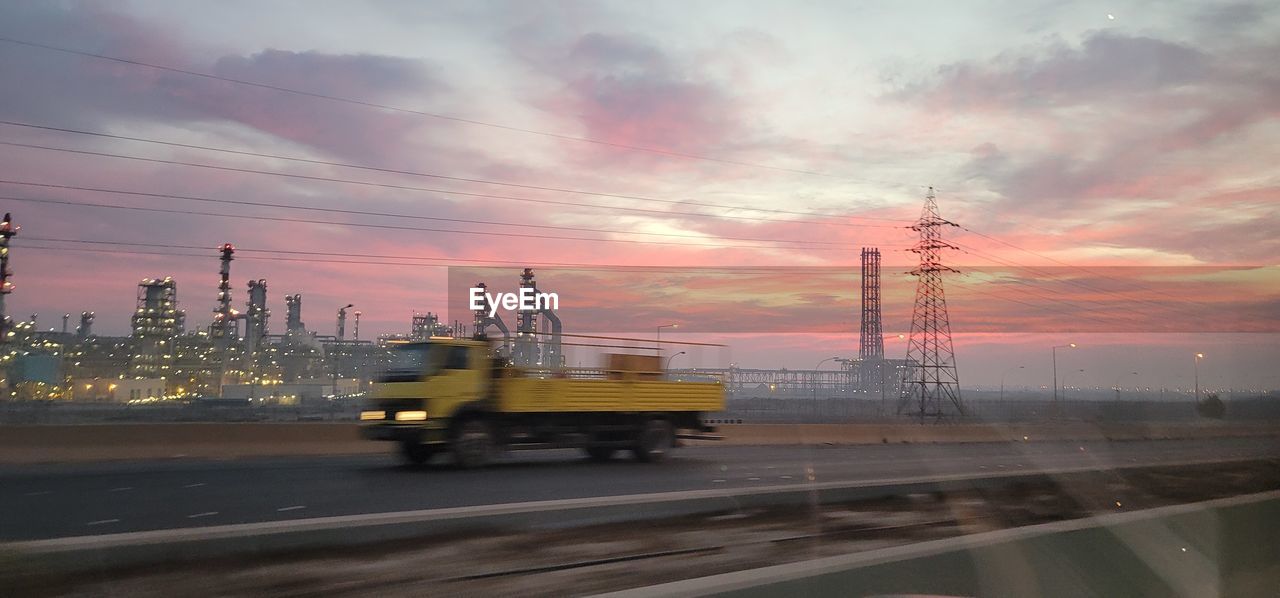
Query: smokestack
(342,320)
(871,340)
(7,231)
(85,329)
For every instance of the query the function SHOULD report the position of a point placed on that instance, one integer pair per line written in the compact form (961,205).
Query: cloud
(1106,64)
(1230,19)
(628,90)
(1106,130)
(64,90)
(353,132)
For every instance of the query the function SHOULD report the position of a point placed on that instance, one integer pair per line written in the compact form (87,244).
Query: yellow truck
(451,395)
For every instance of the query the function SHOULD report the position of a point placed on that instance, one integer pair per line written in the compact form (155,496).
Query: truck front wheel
(656,439)
(473,444)
(414,453)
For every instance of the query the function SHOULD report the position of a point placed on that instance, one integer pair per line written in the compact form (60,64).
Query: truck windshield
(410,363)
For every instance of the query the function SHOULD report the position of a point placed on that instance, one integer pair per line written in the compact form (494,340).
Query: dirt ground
(109,442)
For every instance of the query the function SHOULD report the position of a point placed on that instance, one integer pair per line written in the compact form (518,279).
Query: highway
(61,500)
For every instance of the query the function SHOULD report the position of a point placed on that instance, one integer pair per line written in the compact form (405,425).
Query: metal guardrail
(1220,547)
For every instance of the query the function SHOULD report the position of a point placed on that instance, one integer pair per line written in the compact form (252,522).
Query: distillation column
(256,316)
(482,321)
(526,348)
(223,329)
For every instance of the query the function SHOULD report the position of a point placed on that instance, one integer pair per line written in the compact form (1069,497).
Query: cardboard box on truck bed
(643,367)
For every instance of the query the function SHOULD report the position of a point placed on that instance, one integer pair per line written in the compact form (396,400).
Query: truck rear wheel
(600,453)
(473,444)
(414,453)
(655,440)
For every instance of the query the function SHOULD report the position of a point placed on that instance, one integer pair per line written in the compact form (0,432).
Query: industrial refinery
(235,356)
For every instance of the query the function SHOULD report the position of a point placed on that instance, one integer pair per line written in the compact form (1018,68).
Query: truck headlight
(411,416)
(372,415)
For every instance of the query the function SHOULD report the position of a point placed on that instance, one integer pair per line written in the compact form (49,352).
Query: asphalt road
(63,500)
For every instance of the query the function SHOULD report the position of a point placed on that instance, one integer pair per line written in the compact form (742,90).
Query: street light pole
(1117,385)
(815,382)
(1199,356)
(816,367)
(1055,369)
(672,357)
(660,335)
(881,367)
(1068,377)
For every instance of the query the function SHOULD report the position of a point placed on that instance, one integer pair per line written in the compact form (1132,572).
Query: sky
(1114,160)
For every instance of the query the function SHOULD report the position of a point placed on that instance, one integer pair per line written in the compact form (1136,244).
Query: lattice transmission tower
(931,386)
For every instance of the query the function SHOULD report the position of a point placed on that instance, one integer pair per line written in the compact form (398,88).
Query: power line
(1062,263)
(1045,303)
(494,263)
(456,119)
(577,266)
(1041,307)
(1126,297)
(1032,290)
(320,257)
(421,113)
(1043,296)
(1073,305)
(398,227)
(424,189)
(966,250)
(437,175)
(443,117)
(401,215)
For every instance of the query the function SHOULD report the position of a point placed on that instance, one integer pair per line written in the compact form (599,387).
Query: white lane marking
(717,481)
(753,479)
(293,508)
(195,485)
(785,477)
(205,514)
(121,489)
(103,522)
(40,493)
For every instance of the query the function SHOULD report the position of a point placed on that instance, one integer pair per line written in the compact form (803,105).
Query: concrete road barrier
(106,442)
(873,433)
